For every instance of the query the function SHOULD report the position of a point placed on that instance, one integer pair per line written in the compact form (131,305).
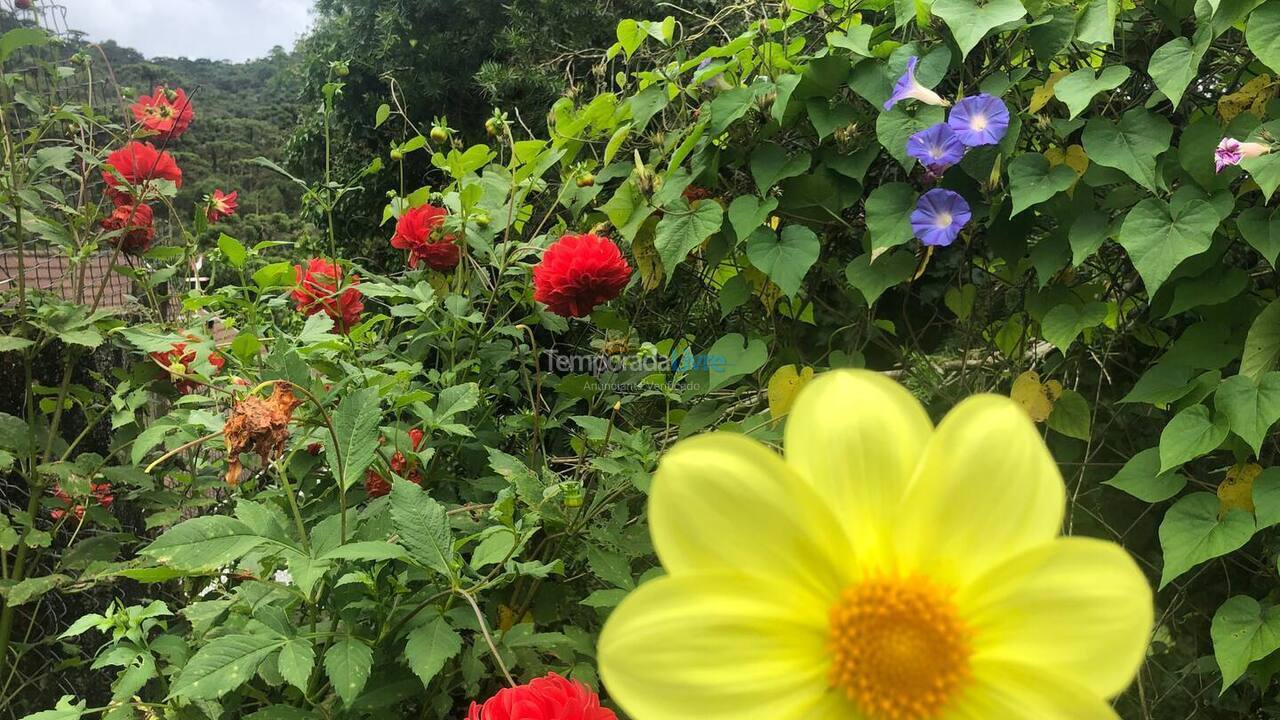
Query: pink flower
(1231,151)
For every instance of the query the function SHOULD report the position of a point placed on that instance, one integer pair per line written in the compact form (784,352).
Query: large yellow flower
(881,570)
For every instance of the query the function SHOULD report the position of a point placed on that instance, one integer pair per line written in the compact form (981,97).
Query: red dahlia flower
(316,289)
(180,355)
(138,163)
(167,113)
(579,272)
(135,223)
(420,230)
(548,698)
(375,485)
(220,205)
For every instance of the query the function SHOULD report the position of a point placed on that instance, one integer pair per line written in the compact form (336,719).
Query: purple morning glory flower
(979,120)
(939,216)
(908,87)
(937,148)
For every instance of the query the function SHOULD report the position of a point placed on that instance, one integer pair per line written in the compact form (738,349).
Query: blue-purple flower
(979,120)
(936,147)
(908,87)
(939,216)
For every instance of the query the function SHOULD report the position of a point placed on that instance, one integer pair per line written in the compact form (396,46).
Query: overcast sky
(215,29)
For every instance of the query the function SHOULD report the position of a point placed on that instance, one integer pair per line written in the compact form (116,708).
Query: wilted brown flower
(260,426)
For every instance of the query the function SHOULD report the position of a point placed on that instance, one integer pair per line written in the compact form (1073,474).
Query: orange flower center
(899,648)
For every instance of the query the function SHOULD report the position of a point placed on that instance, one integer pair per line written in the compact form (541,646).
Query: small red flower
(415,437)
(138,163)
(315,449)
(547,698)
(693,192)
(167,113)
(316,289)
(579,272)
(220,205)
(101,493)
(420,231)
(398,463)
(135,222)
(179,354)
(374,484)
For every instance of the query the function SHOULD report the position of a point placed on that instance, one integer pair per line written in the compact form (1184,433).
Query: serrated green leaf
(429,646)
(348,663)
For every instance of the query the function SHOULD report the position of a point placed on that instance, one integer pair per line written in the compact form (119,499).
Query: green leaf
(1261,229)
(456,399)
(380,116)
(1161,384)
(679,232)
(895,127)
(1262,345)
(232,250)
(873,278)
(429,647)
(728,107)
(1192,533)
(747,212)
(1076,90)
(1262,33)
(297,660)
(348,663)
(1071,415)
(355,422)
(732,356)
(1032,180)
(1141,478)
(1173,66)
(9,343)
(612,567)
(770,165)
(203,544)
(1243,632)
(888,210)
(1158,236)
(223,665)
(784,257)
(423,526)
(1266,498)
(1131,146)
(1097,21)
(1064,323)
(1190,434)
(1251,408)
(970,21)
(19,38)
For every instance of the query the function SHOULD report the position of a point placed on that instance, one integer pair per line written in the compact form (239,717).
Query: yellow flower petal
(725,502)
(716,647)
(857,436)
(1078,607)
(1009,691)
(986,490)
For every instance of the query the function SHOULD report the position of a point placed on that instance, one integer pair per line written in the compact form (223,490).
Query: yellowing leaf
(1073,157)
(784,385)
(647,261)
(1236,491)
(1253,96)
(1043,94)
(1035,397)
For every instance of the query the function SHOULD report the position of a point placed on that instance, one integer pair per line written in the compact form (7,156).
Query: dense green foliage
(1110,280)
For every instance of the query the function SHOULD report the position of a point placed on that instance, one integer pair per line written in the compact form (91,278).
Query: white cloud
(215,29)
